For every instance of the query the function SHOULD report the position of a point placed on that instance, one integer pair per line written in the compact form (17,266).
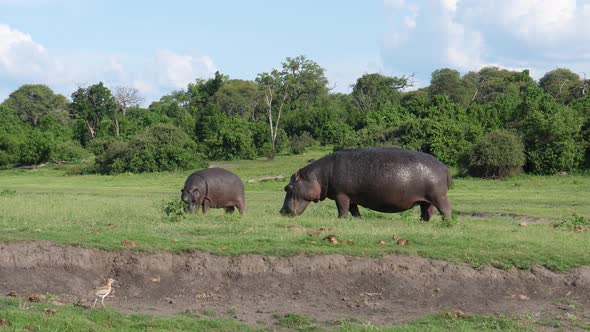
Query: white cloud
(537,22)
(20,55)
(394,3)
(178,70)
(539,35)
(345,72)
(22,60)
(450,5)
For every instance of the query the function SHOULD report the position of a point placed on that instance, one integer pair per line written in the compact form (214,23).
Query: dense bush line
(491,123)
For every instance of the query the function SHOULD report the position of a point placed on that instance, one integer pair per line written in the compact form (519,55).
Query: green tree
(33,102)
(306,79)
(371,92)
(159,148)
(491,83)
(239,97)
(200,93)
(498,154)
(551,133)
(561,83)
(297,85)
(225,137)
(12,133)
(92,104)
(449,82)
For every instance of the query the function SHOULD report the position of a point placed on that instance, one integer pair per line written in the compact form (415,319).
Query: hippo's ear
(297,177)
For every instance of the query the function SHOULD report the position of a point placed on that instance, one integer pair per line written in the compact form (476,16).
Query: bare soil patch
(516,217)
(254,288)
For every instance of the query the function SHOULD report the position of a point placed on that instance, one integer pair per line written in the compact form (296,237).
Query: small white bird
(103,291)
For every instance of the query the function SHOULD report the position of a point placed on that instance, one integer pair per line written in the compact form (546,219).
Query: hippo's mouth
(293,211)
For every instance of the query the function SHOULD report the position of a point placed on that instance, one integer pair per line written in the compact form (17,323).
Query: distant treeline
(488,123)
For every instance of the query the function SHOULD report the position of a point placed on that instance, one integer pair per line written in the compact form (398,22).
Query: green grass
(24,316)
(19,315)
(443,322)
(104,211)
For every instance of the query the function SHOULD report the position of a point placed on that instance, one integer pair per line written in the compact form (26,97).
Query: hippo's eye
(289,188)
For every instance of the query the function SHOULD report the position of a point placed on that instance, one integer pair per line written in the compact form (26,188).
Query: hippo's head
(300,191)
(192,198)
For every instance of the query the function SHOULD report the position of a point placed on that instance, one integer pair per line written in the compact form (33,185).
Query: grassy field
(125,211)
(18,315)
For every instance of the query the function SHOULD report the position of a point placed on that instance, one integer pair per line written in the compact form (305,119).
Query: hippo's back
(217,179)
(371,169)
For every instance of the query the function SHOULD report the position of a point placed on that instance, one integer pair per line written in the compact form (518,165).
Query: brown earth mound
(254,288)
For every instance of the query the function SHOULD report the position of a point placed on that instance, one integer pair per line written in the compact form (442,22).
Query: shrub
(552,134)
(159,148)
(447,140)
(232,140)
(68,151)
(370,137)
(100,144)
(173,210)
(498,154)
(9,149)
(36,148)
(574,223)
(299,143)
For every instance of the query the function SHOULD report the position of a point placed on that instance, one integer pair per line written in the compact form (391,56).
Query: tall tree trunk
(91,130)
(116,123)
(274,129)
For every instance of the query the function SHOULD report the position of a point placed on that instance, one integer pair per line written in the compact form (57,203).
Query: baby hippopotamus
(214,188)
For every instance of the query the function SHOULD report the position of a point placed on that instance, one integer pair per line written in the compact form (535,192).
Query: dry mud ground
(254,289)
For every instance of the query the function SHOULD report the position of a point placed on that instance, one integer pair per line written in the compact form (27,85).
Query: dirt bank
(253,288)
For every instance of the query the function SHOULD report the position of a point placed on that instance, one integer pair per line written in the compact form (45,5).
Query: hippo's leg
(343,205)
(229,209)
(242,208)
(443,206)
(427,210)
(354,210)
(205,206)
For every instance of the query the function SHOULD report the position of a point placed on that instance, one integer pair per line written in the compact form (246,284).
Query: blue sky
(159,46)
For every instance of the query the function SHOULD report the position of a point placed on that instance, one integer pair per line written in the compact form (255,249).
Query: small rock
(129,243)
(332,239)
(37,297)
(3,322)
(394,237)
(82,305)
(523,224)
(12,294)
(156,279)
(457,314)
(403,242)
(520,297)
(381,242)
(57,303)
(317,232)
(169,300)
(580,229)
(49,311)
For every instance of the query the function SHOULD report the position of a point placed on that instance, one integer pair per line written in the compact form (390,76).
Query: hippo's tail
(449,179)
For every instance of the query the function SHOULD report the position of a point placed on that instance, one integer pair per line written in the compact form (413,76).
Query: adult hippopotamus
(214,188)
(384,179)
